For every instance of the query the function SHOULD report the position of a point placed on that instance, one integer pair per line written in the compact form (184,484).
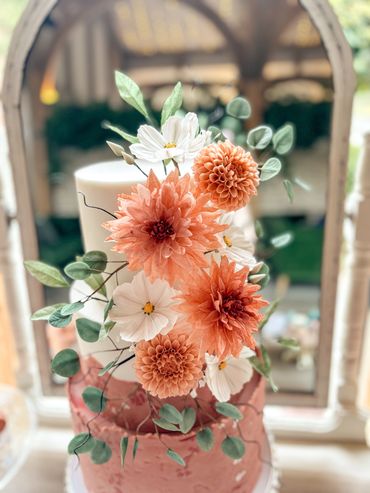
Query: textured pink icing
(153,471)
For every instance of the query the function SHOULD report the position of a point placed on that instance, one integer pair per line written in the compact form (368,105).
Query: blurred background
(273,56)
(270,52)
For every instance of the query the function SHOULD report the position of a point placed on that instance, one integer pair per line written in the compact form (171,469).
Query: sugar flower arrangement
(193,313)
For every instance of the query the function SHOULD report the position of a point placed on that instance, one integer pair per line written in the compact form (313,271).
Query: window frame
(340,57)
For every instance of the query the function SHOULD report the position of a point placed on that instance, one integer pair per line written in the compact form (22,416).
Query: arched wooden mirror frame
(340,57)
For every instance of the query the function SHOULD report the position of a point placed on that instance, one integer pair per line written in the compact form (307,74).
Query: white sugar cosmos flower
(179,139)
(235,245)
(143,309)
(227,377)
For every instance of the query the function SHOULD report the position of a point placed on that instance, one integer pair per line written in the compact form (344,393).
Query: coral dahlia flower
(163,228)
(168,365)
(223,309)
(228,173)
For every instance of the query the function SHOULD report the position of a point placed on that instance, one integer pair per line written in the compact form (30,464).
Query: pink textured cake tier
(152,471)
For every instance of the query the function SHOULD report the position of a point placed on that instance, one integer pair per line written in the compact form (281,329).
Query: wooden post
(355,284)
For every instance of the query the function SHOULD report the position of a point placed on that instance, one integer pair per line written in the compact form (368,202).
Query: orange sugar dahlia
(163,228)
(228,173)
(223,309)
(168,365)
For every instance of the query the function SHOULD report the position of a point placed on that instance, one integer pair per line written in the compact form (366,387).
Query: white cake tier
(101,183)
(101,350)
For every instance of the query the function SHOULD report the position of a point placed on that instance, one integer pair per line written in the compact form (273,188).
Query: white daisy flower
(179,139)
(227,377)
(143,309)
(235,245)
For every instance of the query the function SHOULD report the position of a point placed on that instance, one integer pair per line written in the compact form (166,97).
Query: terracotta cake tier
(127,414)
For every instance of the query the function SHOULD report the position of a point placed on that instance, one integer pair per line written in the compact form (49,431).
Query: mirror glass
(218,49)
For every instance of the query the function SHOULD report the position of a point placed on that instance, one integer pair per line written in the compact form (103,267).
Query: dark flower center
(232,305)
(160,230)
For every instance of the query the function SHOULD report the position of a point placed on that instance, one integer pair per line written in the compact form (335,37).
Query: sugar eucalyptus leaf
(94,399)
(81,444)
(233,447)
(44,313)
(239,108)
(176,457)
(130,93)
(101,453)
(205,439)
(88,330)
(173,103)
(46,274)
(66,363)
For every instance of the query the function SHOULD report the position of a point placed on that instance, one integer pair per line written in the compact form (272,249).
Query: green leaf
(44,313)
(289,190)
(106,368)
(229,410)
(126,136)
(270,310)
(172,103)
(66,363)
(170,414)
(289,343)
(270,169)
(233,447)
(259,229)
(259,137)
(258,366)
(239,108)
(72,308)
(105,329)
(162,423)
(101,453)
(205,439)
(265,269)
(262,369)
(302,184)
(94,399)
(46,274)
(123,448)
(188,419)
(81,444)
(96,280)
(88,330)
(282,240)
(78,271)
(96,260)
(175,457)
(56,319)
(266,358)
(130,93)
(216,134)
(136,446)
(107,308)
(283,140)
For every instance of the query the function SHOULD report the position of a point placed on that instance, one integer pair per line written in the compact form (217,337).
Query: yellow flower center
(227,241)
(170,145)
(222,365)
(148,308)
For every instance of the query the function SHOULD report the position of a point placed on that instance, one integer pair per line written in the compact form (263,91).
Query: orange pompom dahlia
(163,228)
(222,308)
(168,365)
(228,173)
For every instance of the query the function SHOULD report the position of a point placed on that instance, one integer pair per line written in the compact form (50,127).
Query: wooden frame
(340,58)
